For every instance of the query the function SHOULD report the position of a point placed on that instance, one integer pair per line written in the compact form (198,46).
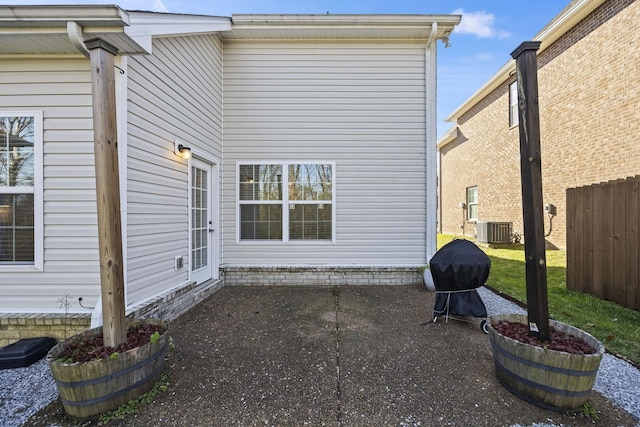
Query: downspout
(430,143)
(74,32)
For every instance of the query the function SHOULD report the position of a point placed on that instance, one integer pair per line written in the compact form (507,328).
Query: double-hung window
(472,203)
(286,201)
(20,188)
(513,104)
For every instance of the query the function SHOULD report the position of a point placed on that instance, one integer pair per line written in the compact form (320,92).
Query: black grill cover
(459,304)
(459,265)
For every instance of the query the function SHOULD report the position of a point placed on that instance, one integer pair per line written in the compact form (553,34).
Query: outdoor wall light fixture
(181,150)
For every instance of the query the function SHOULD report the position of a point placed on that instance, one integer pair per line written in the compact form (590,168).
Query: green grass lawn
(616,327)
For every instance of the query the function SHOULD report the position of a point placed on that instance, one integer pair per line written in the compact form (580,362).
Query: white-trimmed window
(513,104)
(286,201)
(20,188)
(472,203)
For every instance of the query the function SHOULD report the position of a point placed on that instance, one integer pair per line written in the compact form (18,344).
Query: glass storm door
(203,262)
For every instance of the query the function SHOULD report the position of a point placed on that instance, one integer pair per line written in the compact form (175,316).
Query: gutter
(451,135)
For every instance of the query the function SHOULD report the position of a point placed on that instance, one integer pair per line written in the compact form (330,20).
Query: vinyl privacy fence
(603,240)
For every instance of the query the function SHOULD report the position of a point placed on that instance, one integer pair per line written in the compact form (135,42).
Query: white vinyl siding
(60,89)
(176,93)
(360,104)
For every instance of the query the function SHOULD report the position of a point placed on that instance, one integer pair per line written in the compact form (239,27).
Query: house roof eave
(450,136)
(401,27)
(566,20)
(33,16)
(46,30)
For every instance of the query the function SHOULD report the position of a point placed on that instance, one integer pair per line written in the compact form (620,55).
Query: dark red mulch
(92,347)
(558,341)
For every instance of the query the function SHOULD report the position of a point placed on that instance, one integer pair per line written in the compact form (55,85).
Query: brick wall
(589,89)
(468,162)
(321,275)
(18,326)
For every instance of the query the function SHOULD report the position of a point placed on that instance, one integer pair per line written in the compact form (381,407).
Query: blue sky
(490,30)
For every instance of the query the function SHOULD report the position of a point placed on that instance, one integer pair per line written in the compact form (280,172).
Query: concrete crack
(336,293)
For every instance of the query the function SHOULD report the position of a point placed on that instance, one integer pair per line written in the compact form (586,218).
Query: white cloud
(485,57)
(158,6)
(480,24)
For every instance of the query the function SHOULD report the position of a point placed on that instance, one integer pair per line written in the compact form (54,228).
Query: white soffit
(43,29)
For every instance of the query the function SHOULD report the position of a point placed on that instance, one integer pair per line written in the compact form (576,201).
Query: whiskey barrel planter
(92,388)
(551,379)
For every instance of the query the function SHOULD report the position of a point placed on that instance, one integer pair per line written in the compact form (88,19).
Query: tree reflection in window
(16,151)
(301,210)
(310,182)
(16,189)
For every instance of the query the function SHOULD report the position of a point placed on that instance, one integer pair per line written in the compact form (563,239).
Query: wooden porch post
(108,190)
(531,177)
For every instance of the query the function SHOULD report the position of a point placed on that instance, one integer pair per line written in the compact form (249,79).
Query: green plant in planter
(155,337)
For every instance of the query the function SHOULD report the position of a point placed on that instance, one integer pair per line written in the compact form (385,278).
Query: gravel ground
(24,391)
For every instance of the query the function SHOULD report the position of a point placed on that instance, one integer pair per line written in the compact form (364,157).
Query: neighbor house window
(286,201)
(20,188)
(472,203)
(513,104)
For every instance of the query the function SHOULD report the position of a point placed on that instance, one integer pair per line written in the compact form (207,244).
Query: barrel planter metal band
(92,388)
(551,379)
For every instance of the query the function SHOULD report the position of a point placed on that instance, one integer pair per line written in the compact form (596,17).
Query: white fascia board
(146,25)
(546,36)
(341,26)
(347,19)
(57,16)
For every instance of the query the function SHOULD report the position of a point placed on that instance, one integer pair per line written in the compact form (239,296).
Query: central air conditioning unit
(493,232)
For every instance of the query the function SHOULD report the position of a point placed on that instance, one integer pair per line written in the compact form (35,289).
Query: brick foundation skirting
(172,304)
(321,275)
(14,327)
